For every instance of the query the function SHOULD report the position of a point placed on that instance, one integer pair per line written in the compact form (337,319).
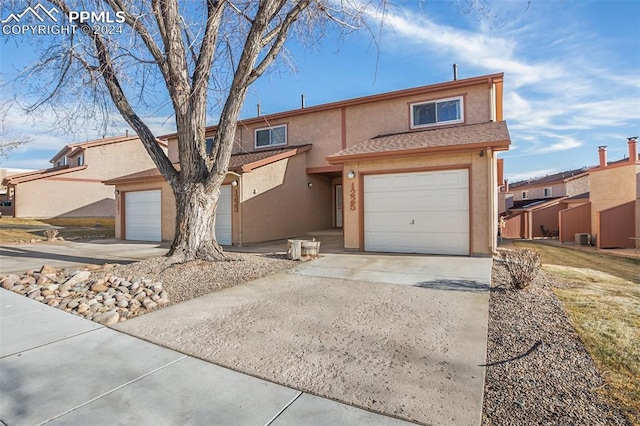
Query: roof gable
(464,137)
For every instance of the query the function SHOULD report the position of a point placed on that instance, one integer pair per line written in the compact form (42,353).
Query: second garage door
(223,216)
(425,212)
(142,216)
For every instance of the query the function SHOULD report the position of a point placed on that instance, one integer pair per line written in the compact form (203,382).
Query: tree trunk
(195,233)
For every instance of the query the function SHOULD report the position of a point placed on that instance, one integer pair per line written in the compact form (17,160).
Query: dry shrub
(523,266)
(50,234)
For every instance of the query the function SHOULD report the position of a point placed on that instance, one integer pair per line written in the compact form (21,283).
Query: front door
(338,206)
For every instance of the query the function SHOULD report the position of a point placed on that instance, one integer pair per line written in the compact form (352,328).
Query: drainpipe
(493,200)
(239,189)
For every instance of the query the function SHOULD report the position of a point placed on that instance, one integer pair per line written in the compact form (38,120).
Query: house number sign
(236,201)
(352,197)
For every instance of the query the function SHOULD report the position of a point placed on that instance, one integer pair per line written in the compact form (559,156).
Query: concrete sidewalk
(22,257)
(61,369)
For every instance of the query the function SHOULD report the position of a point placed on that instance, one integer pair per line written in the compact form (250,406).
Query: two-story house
(73,187)
(611,214)
(410,171)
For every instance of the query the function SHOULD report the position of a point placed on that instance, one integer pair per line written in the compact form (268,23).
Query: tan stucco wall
(483,208)
(283,204)
(46,198)
(324,129)
(611,187)
(82,193)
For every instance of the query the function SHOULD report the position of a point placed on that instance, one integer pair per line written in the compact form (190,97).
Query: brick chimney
(633,149)
(602,153)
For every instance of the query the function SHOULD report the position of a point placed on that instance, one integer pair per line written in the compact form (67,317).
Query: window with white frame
(209,145)
(548,192)
(444,111)
(525,195)
(271,136)
(81,160)
(65,161)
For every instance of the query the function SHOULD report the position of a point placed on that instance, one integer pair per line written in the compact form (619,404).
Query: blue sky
(572,76)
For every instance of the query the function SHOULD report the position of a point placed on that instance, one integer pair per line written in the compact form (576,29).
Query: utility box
(583,239)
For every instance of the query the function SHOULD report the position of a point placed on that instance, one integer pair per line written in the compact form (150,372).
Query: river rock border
(103,298)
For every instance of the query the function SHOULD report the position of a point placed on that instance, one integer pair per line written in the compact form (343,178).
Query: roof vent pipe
(455,72)
(258,108)
(126,133)
(301,101)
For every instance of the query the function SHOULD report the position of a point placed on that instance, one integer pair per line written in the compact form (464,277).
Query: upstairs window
(271,136)
(444,111)
(547,192)
(525,195)
(81,160)
(209,145)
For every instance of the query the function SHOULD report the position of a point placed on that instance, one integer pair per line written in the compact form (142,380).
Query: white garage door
(223,216)
(143,221)
(426,212)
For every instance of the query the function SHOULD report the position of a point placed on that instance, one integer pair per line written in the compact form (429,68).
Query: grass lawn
(84,227)
(601,295)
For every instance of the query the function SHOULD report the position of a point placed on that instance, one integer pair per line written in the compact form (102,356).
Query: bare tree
(187,48)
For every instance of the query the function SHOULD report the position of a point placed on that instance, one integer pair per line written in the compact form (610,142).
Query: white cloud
(568,143)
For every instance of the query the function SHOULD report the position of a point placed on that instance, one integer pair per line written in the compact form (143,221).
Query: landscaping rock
(107,300)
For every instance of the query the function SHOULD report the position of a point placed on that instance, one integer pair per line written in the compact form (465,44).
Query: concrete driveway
(399,335)
(21,258)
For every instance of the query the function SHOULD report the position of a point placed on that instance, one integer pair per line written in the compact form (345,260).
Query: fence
(575,220)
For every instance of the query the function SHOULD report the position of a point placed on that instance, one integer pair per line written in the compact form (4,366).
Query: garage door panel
(425,212)
(223,216)
(143,220)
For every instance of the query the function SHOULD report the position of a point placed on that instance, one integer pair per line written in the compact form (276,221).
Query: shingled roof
(240,163)
(472,136)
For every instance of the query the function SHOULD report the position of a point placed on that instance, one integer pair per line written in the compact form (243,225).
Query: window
(81,160)
(445,111)
(547,192)
(209,145)
(65,161)
(271,136)
(525,195)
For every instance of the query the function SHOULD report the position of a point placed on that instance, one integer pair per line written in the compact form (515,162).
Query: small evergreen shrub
(523,266)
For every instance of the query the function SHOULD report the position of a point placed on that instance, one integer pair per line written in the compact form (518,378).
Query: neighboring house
(408,171)
(611,216)
(532,206)
(73,186)
(6,193)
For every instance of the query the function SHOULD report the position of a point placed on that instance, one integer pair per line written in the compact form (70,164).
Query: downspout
(492,102)
(493,206)
(239,189)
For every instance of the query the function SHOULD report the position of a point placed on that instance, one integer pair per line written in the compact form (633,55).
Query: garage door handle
(412,222)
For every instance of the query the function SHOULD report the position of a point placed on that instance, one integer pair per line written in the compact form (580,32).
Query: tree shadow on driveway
(455,285)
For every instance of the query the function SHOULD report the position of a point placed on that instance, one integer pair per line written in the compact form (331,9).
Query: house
(73,187)
(532,205)
(611,215)
(413,171)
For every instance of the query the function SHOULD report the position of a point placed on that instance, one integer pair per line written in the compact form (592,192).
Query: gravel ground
(194,279)
(538,371)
